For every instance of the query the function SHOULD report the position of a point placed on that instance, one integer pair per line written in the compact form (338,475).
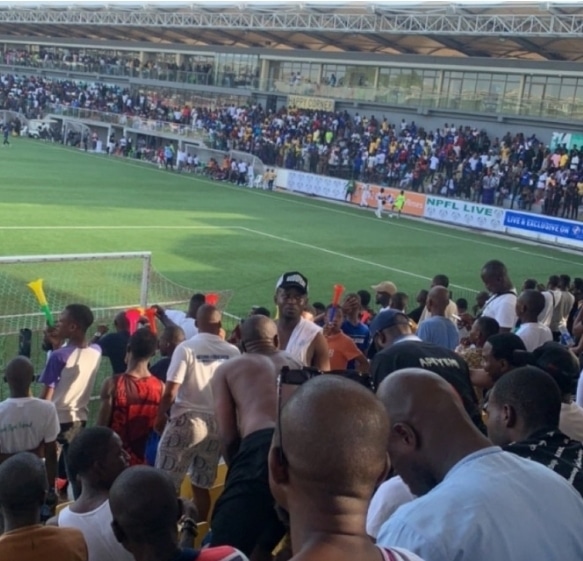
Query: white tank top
(96,529)
(301,339)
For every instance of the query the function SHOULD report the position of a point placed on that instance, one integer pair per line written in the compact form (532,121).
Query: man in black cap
(399,348)
(522,415)
(303,339)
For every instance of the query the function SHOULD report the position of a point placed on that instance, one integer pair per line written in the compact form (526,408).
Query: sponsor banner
(567,140)
(365,195)
(317,185)
(545,227)
(314,103)
(464,213)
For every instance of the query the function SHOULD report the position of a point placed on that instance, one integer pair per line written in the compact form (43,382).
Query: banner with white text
(464,213)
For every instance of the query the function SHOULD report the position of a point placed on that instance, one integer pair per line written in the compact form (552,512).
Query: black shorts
(244,515)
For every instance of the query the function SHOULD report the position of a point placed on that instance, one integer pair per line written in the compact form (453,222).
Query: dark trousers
(68,432)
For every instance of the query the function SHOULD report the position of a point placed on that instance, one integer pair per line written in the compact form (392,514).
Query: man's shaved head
(121,322)
(23,483)
(258,329)
(19,375)
(173,334)
(144,517)
(427,417)
(530,303)
(438,300)
(208,319)
(334,434)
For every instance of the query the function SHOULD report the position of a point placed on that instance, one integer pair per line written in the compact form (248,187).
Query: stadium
(153,151)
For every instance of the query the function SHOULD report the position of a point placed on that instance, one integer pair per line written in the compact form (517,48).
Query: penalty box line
(243,229)
(346,256)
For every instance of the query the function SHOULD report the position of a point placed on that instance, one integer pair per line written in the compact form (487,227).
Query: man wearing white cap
(383,293)
(301,338)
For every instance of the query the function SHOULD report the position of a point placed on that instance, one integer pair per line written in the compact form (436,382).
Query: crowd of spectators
(446,431)
(128,64)
(453,160)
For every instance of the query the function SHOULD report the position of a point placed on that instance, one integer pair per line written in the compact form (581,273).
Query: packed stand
(440,417)
(119,64)
(454,161)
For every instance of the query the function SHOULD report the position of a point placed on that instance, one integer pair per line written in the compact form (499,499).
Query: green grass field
(215,236)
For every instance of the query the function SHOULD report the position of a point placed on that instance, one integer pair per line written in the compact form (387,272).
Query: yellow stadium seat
(221,474)
(215,490)
(202,530)
(186,489)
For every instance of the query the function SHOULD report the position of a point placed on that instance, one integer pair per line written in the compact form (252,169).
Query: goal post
(106,282)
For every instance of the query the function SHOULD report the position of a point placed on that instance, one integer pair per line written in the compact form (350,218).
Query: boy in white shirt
(28,424)
(529,306)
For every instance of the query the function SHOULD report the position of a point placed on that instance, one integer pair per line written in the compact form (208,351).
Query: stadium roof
(519,30)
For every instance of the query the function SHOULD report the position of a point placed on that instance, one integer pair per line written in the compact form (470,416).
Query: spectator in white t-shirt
(177,318)
(529,306)
(502,303)
(28,424)
(190,438)
(545,316)
(69,375)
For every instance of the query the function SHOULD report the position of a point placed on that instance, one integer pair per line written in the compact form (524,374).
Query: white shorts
(190,444)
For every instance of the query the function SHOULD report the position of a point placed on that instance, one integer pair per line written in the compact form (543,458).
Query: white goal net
(106,282)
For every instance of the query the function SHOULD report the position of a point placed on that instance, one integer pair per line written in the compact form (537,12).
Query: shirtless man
(303,339)
(245,397)
(259,336)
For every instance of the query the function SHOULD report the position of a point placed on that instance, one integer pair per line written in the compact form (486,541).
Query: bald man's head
(333,435)
(121,322)
(170,338)
(144,518)
(259,331)
(530,305)
(19,376)
(438,300)
(208,319)
(427,419)
(23,484)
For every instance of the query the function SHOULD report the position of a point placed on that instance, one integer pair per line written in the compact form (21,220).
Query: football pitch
(212,236)
(216,236)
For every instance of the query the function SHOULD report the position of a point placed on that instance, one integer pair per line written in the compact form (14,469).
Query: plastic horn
(338,290)
(150,314)
(39,293)
(211,299)
(133,316)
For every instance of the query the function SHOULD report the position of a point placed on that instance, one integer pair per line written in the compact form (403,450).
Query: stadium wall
(512,223)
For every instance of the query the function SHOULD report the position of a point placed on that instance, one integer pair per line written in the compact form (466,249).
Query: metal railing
(478,102)
(128,69)
(147,126)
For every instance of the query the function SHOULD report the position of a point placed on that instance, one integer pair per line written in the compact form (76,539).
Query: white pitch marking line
(144,227)
(346,256)
(326,206)
(257,232)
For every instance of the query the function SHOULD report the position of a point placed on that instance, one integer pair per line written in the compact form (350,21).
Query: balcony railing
(145,125)
(510,104)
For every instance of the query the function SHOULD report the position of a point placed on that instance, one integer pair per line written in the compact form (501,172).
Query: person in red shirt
(130,401)
(342,348)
